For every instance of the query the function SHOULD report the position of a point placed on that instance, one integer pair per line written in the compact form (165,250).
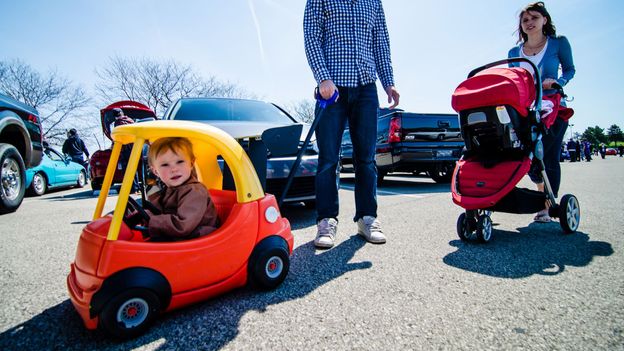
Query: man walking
(347,46)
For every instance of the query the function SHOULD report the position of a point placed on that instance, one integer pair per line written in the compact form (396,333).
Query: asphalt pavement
(530,288)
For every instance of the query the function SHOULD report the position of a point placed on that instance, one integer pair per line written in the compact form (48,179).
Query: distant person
(621,150)
(347,46)
(74,147)
(603,150)
(588,151)
(187,211)
(538,42)
(120,120)
(572,150)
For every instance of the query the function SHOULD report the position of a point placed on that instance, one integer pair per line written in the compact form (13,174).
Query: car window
(54,156)
(229,110)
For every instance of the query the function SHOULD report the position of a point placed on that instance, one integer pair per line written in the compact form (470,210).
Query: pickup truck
(21,147)
(412,142)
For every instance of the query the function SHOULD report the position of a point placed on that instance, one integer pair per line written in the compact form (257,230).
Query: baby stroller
(499,111)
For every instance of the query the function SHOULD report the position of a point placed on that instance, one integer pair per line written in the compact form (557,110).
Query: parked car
(21,147)
(611,151)
(413,143)
(120,280)
(54,171)
(99,160)
(244,118)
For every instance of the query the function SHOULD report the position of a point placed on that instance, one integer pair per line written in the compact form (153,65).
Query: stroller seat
(495,110)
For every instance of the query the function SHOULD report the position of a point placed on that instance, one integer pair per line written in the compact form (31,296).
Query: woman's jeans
(552,153)
(358,107)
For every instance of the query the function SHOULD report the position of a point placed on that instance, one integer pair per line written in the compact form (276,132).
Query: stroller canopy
(494,87)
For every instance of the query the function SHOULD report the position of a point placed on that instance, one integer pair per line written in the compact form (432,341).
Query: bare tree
(60,103)
(157,83)
(302,110)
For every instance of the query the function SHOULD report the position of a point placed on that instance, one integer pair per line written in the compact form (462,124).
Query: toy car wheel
(39,184)
(484,229)
(569,213)
(130,313)
(270,266)
(82,179)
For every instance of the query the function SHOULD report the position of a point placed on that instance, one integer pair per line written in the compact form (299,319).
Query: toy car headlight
(271,214)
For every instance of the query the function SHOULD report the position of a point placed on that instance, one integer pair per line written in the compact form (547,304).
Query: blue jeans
(358,107)
(552,152)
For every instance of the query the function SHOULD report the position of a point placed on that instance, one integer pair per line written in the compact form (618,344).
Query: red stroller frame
(499,111)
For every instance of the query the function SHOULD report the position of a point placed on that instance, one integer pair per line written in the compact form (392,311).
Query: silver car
(247,119)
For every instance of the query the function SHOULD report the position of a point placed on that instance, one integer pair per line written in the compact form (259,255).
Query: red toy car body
(120,281)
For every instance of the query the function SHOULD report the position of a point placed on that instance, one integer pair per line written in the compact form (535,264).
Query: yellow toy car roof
(208,143)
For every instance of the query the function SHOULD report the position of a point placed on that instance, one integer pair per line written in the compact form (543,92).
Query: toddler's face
(172,169)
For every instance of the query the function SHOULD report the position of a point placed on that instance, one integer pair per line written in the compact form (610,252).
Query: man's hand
(393,95)
(327,88)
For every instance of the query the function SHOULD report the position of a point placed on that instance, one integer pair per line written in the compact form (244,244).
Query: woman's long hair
(549,29)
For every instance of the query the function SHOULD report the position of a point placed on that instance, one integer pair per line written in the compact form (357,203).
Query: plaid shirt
(347,41)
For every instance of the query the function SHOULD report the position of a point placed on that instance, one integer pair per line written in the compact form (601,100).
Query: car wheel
(12,178)
(380,176)
(130,313)
(269,263)
(82,179)
(569,213)
(484,229)
(442,172)
(39,184)
(96,184)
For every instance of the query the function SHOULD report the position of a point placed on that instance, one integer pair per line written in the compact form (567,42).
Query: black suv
(412,142)
(21,147)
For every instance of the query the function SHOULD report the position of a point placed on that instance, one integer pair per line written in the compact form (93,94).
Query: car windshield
(229,110)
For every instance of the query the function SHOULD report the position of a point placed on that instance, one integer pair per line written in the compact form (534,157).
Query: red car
(99,160)
(611,151)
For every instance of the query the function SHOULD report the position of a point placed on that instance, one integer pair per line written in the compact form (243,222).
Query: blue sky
(258,44)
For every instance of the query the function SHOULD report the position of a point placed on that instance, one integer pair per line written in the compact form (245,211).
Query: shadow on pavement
(206,326)
(299,216)
(537,249)
(404,184)
(85,194)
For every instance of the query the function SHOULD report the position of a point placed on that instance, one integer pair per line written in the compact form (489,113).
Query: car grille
(301,187)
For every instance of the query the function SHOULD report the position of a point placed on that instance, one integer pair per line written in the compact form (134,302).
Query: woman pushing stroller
(539,43)
(513,124)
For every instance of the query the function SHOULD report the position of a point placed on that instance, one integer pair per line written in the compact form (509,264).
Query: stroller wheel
(484,229)
(462,227)
(569,213)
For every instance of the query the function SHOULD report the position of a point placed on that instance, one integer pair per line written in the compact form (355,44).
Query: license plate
(444,153)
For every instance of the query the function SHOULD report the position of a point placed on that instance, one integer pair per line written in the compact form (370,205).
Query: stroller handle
(538,80)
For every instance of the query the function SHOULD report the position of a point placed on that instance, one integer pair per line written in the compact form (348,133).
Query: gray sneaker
(370,228)
(326,233)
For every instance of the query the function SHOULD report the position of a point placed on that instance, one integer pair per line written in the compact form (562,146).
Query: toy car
(120,281)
